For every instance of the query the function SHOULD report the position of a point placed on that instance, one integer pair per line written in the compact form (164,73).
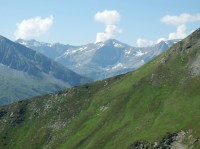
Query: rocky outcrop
(180,140)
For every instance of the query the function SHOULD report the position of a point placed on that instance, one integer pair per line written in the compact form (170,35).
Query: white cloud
(110,32)
(179,34)
(107,17)
(178,21)
(33,27)
(183,18)
(160,39)
(144,43)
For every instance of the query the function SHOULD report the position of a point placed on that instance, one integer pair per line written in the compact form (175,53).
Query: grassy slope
(146,104)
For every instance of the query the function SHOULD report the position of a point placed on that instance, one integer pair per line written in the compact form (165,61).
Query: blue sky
(73,22)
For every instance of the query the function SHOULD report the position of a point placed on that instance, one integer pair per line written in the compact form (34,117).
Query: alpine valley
(25,73)
(155,106)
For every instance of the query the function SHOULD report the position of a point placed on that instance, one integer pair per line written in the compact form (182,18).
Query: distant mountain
(154,107)
(100,60)
(25,73)
(50,50)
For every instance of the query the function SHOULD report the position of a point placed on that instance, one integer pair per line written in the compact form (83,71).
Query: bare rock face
(184,140)
(180,140)
(195,67)
(100,60)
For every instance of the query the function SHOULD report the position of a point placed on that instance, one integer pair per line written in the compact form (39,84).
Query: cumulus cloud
(33,27)
(144,43)
(109,18)
(180,22)
(179,34)
(110,32)
(183,18)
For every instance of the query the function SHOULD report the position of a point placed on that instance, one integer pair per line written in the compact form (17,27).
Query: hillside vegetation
(150,107)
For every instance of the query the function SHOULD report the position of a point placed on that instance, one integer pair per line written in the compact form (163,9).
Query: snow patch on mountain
(97,60)
(100,44)
(140,53)
(119,65)
(117,45)
(128,51)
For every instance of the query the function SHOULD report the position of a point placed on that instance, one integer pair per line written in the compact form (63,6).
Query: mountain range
(99,60)
(155,106)
(25,73)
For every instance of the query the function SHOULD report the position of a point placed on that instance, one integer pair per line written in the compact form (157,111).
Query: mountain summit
(50,50)
(155,106)
(100,60)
